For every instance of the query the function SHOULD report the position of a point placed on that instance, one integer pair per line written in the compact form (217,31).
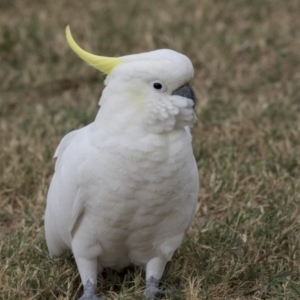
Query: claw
(153,292)
(93,297)
(156,293)
(89,292)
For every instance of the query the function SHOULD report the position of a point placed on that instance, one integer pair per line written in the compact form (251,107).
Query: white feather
(125,187)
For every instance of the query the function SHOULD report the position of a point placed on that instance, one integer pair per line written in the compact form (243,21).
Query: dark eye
(157,85)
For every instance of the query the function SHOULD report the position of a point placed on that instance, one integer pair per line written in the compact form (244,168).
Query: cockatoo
(125,187)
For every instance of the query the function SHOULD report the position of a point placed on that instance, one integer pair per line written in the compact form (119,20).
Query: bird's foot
(89,292)
(152,290)
(93,297)
(155,293)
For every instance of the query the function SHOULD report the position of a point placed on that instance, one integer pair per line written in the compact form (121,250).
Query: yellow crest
(102,63)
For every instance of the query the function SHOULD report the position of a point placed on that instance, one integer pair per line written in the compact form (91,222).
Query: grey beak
(186,91)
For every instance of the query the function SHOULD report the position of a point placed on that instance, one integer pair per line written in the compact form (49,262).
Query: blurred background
(244,243)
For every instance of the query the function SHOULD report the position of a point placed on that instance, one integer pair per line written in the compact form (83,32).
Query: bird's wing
(78,204)
(64,203)
(63,146)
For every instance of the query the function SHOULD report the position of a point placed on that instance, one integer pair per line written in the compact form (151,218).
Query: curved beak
(186,91)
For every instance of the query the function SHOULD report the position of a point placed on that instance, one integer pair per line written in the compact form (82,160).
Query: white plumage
(125,187)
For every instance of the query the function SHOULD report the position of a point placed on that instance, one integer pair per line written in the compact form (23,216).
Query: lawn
(245,241)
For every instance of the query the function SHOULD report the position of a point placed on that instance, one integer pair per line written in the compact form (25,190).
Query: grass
(244,243)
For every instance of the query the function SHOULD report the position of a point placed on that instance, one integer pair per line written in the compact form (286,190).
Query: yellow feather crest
(102,63)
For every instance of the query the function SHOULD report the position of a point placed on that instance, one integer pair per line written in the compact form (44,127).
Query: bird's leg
(154,270)
(88,272)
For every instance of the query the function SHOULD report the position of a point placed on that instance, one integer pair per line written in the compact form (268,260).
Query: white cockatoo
(125,187)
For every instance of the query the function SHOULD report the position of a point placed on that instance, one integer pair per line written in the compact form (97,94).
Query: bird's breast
(139,193)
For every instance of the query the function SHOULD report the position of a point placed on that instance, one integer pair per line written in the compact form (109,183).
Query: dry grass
(244,243)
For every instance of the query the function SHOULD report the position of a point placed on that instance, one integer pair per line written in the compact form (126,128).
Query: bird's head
(152,88)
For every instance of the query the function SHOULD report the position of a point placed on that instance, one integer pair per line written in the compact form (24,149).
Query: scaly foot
(152,290)
(89,292)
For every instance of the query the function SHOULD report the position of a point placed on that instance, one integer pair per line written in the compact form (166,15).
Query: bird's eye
(157,85)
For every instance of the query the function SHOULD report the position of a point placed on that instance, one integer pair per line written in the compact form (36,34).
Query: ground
(244,243)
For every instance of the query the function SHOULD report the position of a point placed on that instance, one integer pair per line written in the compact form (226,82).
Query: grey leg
(89,292)
(154,270)
(153,291)
(88,272)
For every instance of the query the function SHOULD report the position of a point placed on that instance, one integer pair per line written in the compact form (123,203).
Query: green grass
(244,242)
